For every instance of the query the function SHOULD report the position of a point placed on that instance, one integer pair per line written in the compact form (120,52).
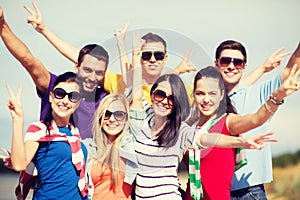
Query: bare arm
(21,154)
(225,141)
(137,84)
(125,64)
(20,51)
(239,124)
(294,59)
(65,48)
(271,63)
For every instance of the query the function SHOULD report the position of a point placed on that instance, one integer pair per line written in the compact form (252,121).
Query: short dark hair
(231,44)
(94,50)
(151,37)
(168,135)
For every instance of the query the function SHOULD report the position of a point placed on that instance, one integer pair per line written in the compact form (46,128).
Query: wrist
(276,100)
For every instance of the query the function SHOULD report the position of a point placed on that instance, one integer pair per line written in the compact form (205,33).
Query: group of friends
(103,135)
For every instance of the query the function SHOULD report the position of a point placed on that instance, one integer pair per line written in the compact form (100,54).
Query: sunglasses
(158,55)
(237,62)
(159,96)
(119,115)
(60,93)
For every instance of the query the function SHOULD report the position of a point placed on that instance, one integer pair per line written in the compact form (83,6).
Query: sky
(262,26)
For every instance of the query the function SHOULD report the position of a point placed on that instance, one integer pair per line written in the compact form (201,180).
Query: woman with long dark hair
(51,149)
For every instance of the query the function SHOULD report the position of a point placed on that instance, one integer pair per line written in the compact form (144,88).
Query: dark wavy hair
(225,104)
(233,45)
(168,135)
(68,77)
(151,37)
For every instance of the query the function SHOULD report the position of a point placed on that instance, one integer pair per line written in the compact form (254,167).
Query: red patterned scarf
(37,131)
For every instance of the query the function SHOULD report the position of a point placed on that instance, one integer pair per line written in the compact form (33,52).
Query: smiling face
(208,96)
(152,68)
(63,108)
(91,72)
(230,74)
(113,124)
(162,107)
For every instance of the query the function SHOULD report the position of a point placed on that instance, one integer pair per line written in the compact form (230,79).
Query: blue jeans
(256,192)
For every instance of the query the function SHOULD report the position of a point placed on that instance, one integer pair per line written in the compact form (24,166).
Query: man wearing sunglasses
(90,67)
(231,61)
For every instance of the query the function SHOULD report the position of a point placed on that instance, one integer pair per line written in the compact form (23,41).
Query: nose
(92,76)
(112,118)
(152,59)
(206,98)
(231,66)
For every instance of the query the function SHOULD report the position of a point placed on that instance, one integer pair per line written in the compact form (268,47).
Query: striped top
(157,175)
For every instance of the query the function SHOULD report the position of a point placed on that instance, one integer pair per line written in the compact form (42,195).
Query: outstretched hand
(35,18)
(290,85)
(274,60)
(184,66)
(258,141)
(14,104)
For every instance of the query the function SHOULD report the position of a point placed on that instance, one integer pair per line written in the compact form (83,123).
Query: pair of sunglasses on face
(119,115)
(158,55)
(159,96)
(60,93)
(237,62)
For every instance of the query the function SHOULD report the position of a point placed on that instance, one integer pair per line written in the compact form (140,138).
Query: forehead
(68,86)
(232,53)
(165,86)
(208,84)
(93,63)
(153,46)
(116,105)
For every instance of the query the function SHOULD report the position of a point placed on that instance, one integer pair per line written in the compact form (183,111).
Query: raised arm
(137,84)
(20,51)
(294,59)
(273,61)
(21,153)
(125,64)
(239,124)
(36,20)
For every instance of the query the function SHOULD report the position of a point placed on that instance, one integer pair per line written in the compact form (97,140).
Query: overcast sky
(262,26)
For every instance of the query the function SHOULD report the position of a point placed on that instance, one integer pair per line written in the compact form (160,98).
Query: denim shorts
(256,192)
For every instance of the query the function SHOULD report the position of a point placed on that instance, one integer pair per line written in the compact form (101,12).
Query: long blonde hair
(108,152)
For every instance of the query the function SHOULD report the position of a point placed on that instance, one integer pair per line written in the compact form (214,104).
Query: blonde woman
(110,151)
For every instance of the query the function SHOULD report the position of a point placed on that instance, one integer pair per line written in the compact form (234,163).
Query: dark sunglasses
(158,55)
(159,96)
(237,62)
(60,93)
(119,115)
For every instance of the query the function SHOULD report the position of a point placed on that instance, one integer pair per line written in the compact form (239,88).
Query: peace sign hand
(14,104)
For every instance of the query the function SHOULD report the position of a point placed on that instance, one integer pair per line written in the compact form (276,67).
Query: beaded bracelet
(275,101)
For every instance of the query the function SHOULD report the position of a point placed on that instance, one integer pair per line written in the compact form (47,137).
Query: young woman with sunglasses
(212,105)
(52,147)
(110,151)
(161,138)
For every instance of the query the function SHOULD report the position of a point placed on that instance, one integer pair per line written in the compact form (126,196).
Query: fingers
(10,91)
(4,151)
(189,54)
(19,96)
(36,9)
(28,10)
(126,25)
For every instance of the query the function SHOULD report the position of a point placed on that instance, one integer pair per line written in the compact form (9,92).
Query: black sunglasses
(158,55)
(119,115)
(159,96)
(237,62)
(60,93)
